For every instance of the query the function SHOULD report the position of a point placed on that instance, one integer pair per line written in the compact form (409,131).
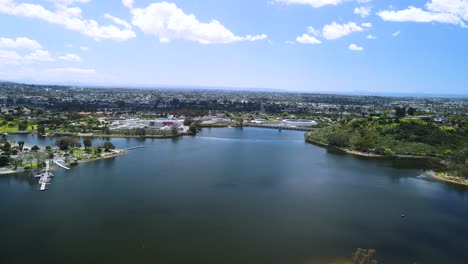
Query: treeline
(394,136)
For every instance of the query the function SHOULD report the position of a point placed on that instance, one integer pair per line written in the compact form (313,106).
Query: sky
(374,46)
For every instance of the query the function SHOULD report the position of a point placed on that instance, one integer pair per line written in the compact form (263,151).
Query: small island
(443,144)
(18,157)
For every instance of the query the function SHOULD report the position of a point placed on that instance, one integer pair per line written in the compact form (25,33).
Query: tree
(365,143)
(338,140)
(20,145)
(411,111)
(23,125)
(4,161)
(140,132)
(41,129)
(108,146)
(193,129)
(87,143)
(174,130)
(35,148)
(400,112)
(67,142)
(6,147)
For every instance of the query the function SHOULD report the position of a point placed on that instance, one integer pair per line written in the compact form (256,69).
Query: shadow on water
(26,177)
(390,162)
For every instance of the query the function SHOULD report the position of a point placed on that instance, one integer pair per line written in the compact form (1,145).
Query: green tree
(41,130)
(108,146)
(400,112)
(35,148)
(87,143)
(338,140)
(6,147)
(193,129)
(4,161)
(411,111)
(365,143)
(174,130)
(20,145)
(66,143)
(23,125)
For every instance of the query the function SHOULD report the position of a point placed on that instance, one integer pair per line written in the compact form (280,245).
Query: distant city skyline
(336,46)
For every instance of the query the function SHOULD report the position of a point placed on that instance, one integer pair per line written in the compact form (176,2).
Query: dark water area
(231,195)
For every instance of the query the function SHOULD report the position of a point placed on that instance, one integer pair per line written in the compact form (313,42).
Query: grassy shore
(359,153)
(115,153)
(443,176)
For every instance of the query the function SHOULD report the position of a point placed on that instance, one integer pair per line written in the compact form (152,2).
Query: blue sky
(297,45)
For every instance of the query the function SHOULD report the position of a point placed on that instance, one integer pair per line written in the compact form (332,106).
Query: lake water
(232,195)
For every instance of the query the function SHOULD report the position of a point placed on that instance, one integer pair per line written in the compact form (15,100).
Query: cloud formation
(440,11)
(313,3)
(70,57)
(335,30)
(307,39)
(19,43)
(68,17)
(355,47)
(169,22)
(363,11)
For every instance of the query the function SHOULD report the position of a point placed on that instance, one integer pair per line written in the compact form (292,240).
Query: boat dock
(44,178)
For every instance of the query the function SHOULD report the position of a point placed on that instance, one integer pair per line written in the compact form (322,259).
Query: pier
(44,178)
(60,165)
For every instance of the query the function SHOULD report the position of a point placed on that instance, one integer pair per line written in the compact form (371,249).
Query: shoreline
(445,177)
(9,172)
(359,153)
(440,176)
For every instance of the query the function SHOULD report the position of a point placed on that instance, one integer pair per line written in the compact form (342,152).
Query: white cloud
(355,47)
(363,11)
(455,7)
(84,48)
(19,43)
(364,1)
(313,3)
(70,57)
(290,42)
(334,30)
(168,22)
(313,31)
(69,46)
(367,25)
(9,57)
(67,2)
(371,36)
(38,56)
(118,21)
(308,39)
(396,34)
(69,17)
(414,14)
(128,3)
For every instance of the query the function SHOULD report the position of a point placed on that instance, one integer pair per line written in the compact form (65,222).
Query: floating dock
(44,178)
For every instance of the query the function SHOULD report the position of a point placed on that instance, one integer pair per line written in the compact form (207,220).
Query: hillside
(386,136)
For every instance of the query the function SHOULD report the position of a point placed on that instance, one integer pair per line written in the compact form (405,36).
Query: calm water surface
(232,196)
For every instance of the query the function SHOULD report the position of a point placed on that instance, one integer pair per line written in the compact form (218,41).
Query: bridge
(281,127)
